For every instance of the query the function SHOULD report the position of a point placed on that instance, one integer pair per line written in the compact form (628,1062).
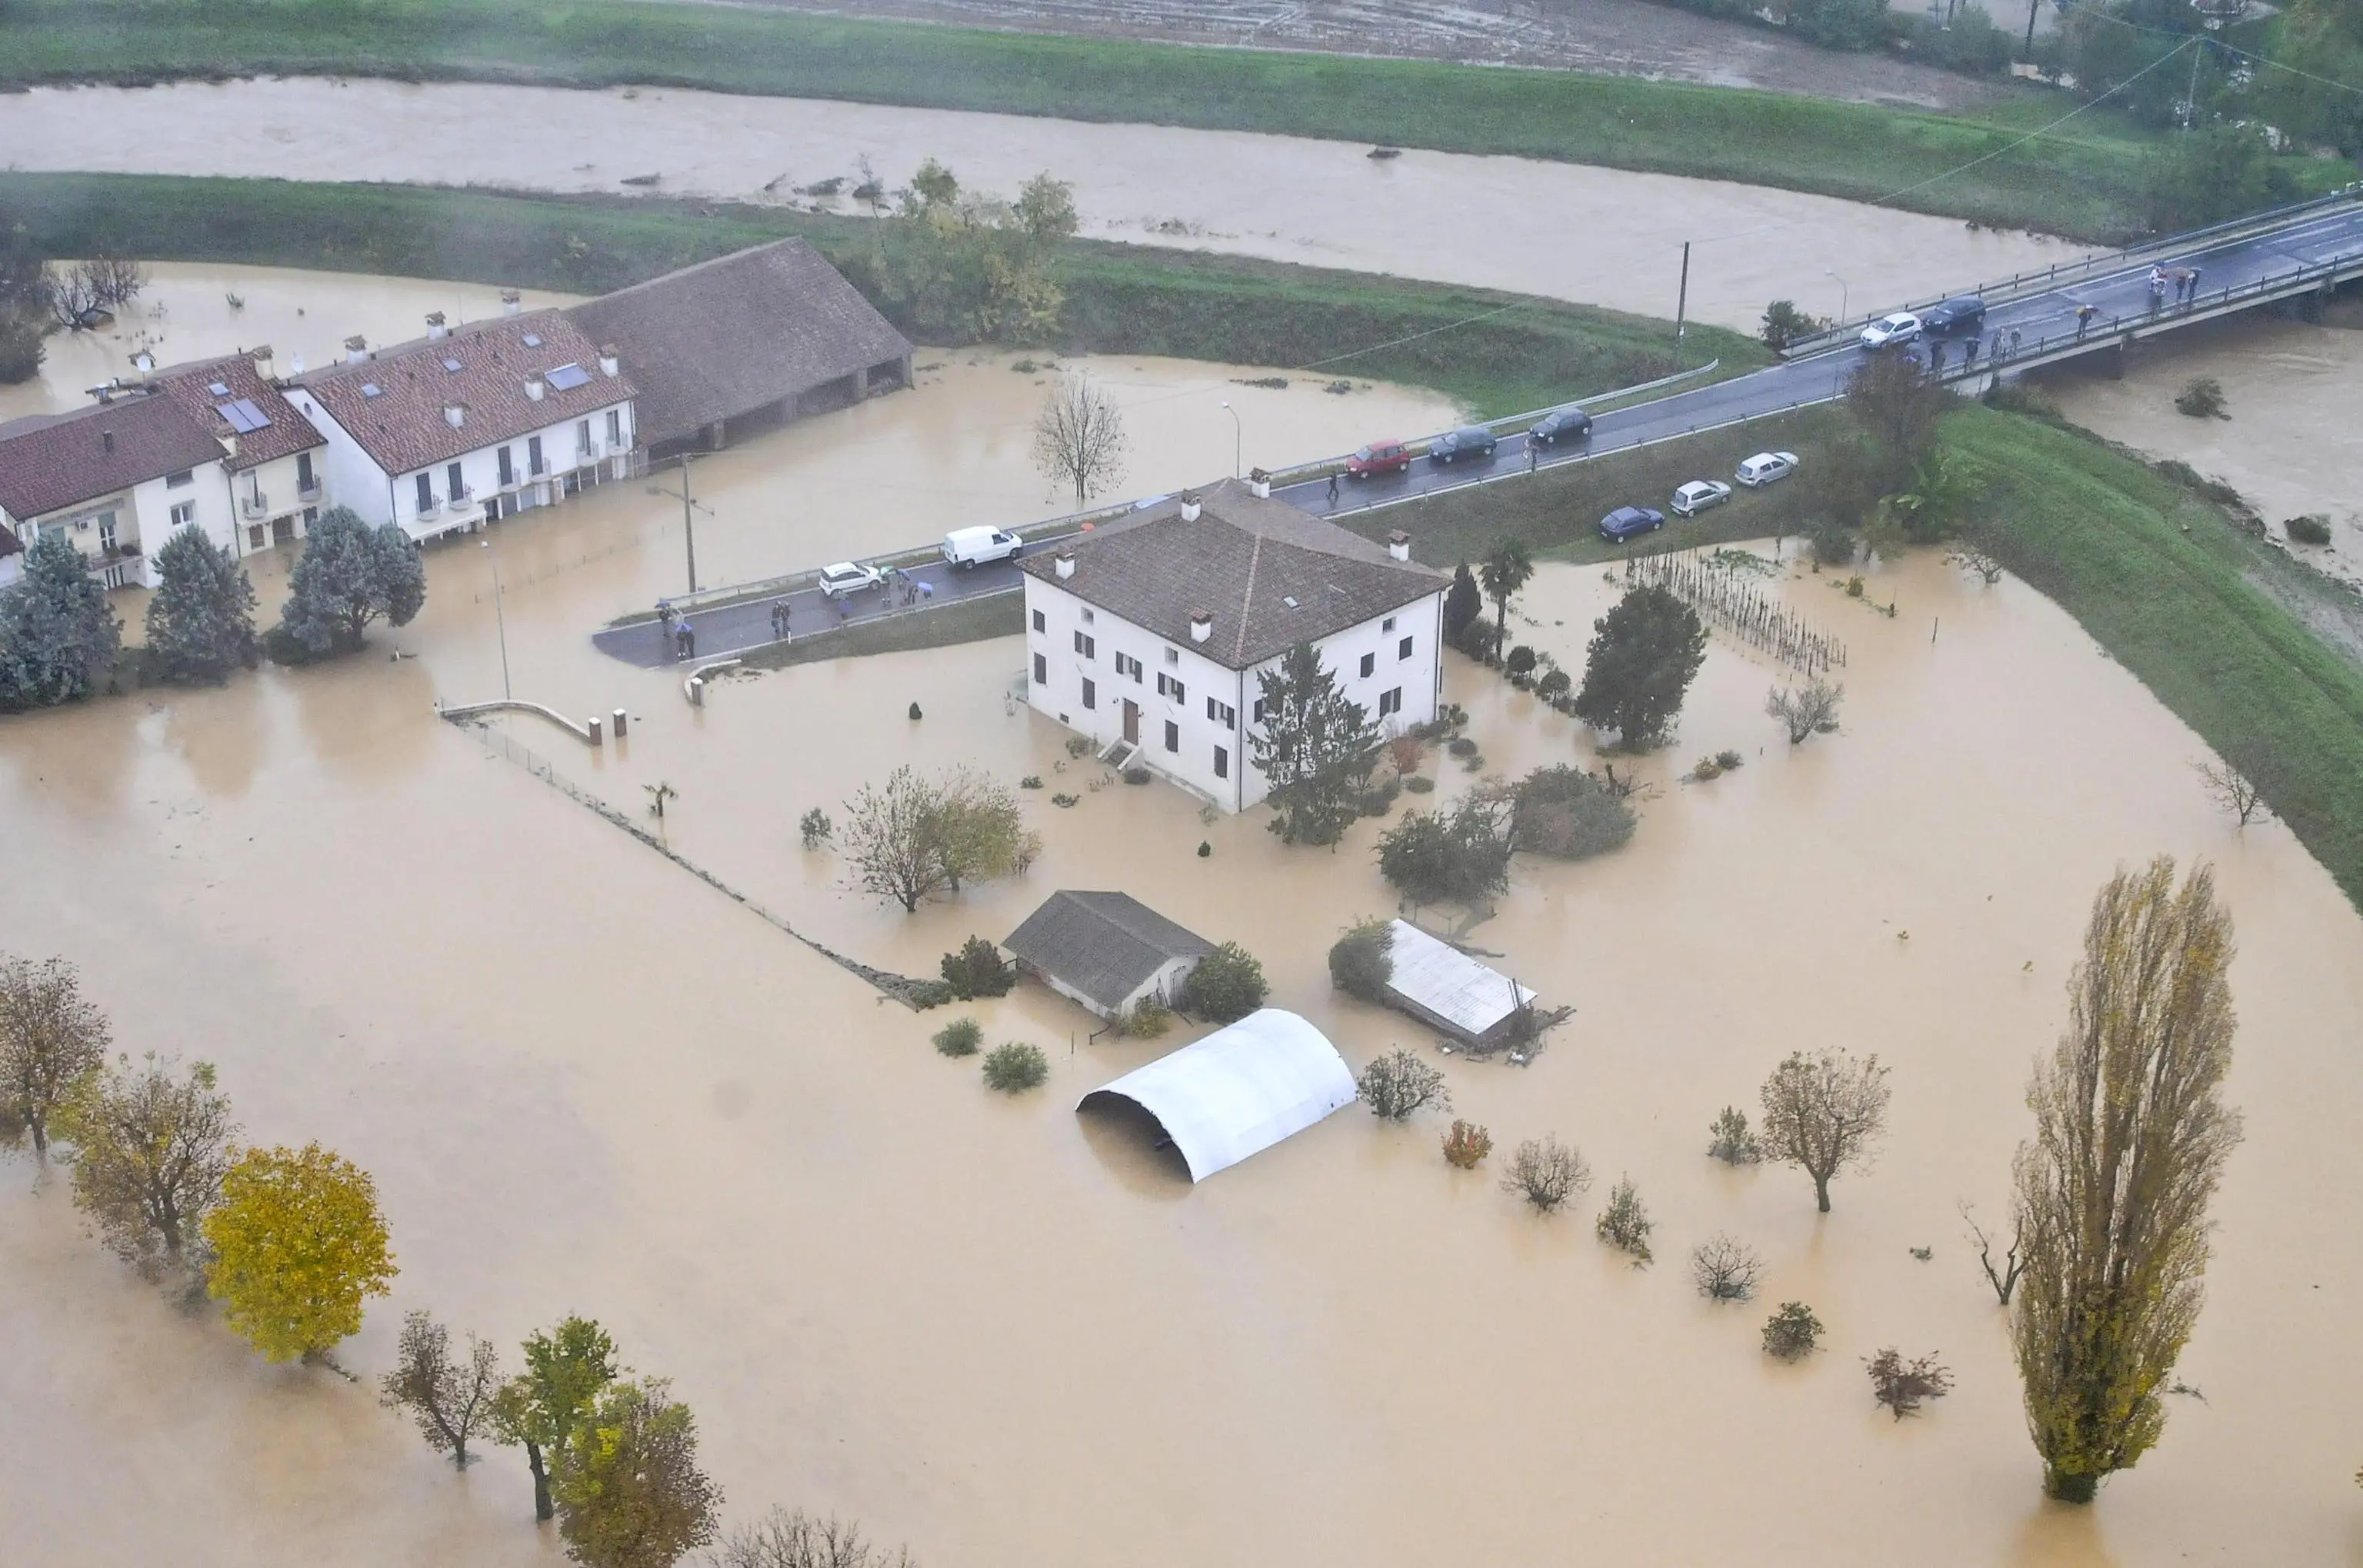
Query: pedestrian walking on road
(2084,315)
(688,640)
(927,590)
(2193,296)
(2014,342)
(1970,355)
(1333,490)
(1534,455)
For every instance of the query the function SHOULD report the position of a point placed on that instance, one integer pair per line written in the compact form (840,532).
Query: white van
(974,547)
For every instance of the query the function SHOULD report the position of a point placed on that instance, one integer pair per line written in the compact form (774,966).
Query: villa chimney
(1399,546)
(356,350)
(1190,508)
(1065,564)
(534,387)
(512,303)
(228,440)
(264,361)
(436,329)
(609,365)
(1201,625)
(455,415)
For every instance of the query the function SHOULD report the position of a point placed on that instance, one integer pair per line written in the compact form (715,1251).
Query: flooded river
(1598,236)
(586,1082)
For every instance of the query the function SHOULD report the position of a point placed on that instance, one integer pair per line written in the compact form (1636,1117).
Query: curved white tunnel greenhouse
(1239,1090)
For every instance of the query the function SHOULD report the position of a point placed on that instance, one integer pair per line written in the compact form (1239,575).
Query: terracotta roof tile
(52,461)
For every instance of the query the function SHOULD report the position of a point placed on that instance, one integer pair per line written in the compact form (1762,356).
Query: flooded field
(586,1082)
(1596,236)
(2290,390)
(892,473)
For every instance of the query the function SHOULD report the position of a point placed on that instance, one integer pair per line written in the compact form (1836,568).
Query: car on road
(1965,313)
(1698,495)
(1379,458)
(966,548)
(1562,423)
(1901,327)
(1630,521)
(1469,441)
(846,576)
(1766,467)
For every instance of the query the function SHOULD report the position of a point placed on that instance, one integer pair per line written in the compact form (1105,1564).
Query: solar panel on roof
(243,415)
(259,420)
(566,378)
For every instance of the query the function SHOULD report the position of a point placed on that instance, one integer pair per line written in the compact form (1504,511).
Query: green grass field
(1120,299)
(2082,180)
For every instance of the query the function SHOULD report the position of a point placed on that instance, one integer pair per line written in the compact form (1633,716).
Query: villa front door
(1131,721)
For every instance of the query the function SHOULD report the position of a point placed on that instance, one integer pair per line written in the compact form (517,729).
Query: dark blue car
(1561,424)
(1469,441)
(1630,523)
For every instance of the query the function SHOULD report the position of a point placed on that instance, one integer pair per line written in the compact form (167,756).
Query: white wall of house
(141,519)
(1070,643)
(350,477)
(270,502)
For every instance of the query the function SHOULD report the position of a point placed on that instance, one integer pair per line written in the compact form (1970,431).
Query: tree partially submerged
(1463,602)
(1399,1082)
(2131,1137)
(785,1538)
(348,575)
(915,837)
(2232,790)
(1507,568)
(1227,985)
(2004,1276)
(1803,709)
(1460,855)
(1725,1269)
(1904,1386)
(629,1489)
(58,633)
(201,621)
(1824,1113)
(1569,813)
(1624,1223)
(1362,961)
(298,1246)
(1546,1172)
(1315,747)
(150,1148)
(1733,1142)
(1079,436)
(1791,1332)
(450,1396)
(566,1369)
(1643,656)
(50,1036)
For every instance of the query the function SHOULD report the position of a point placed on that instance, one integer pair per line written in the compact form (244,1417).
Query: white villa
(465,426)
(1148,633)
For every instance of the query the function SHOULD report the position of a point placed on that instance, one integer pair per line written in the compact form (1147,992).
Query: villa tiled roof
(736,334)
(205,386)
(402,427)
(52,461)
(1269,575)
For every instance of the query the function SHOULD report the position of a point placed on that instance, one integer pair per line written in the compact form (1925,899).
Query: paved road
(2120,298)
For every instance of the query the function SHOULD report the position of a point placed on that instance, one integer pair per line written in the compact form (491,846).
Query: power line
(2095,11)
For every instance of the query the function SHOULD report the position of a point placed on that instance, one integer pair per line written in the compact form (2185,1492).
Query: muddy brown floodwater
(1601,237)
(587,1083)
(2290,391)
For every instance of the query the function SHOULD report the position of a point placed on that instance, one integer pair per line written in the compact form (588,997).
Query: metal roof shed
(1240,1089)
(1443,986)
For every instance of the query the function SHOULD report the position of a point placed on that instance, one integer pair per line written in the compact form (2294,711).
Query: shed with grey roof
(743,342)
(1106,951)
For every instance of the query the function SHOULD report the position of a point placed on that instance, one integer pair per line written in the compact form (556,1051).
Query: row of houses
(447,432)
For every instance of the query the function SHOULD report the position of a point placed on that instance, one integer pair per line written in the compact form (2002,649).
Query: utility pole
(2190,101)
(1239,440)
(1681,304)
(2031,7)
(688,523)
(500,619)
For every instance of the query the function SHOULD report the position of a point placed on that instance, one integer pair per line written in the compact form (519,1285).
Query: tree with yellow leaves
(298,1243)
(629,1489)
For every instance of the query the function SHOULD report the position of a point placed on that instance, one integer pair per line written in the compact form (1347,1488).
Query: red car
(1379,458)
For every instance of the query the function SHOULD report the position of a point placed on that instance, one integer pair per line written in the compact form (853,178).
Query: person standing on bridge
(2013,340)
(2084,315)
(1332,490)
(2192,294)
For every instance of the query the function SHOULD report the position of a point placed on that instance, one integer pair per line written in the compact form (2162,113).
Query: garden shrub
(814,828)
(1625,1223)
(1227,985)
(2313,528)
(1466,1146)
(2201,398)
(1569,813)
(1791,1332)
(961,1037)
(1399,1082)
(1362,961)
(1014,1067)
(977,970)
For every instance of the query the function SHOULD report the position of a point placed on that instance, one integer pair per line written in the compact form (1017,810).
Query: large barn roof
(1240,1089)
(1448,987)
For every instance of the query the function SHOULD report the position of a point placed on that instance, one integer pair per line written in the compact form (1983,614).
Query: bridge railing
(2001,289)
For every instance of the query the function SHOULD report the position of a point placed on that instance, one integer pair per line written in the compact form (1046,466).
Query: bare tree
(2004,1279)
(1546,1172)
(2131,1136)
(150,1150)
(1901,1385)
(785,1538)
(49,1036)
(1725,1269)
(1079,436)
(451,1400)
(2231,789)
(1815,707)
(113,281)
(1970,558)
(915,837)
(1824,1113)
(67,294)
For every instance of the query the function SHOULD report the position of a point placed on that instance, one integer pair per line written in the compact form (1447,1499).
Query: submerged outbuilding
(1446,989)
(1239,1090)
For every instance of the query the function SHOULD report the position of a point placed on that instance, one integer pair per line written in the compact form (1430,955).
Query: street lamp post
(501,621)
(1239,440)
(1843,293)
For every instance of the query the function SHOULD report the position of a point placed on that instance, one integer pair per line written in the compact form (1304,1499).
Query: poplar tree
(2131,1135)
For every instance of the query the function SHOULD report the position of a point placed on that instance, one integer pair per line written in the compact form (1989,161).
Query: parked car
(975,546)
(1630,521)
(1698,495)
(845,577)
(1766,467)
(1901,327)
(1469,441)
(1379,458)
(1562,423)
(1966,312)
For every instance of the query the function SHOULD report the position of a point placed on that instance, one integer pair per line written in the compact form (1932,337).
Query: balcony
(463,495)
(431,506)
(308,490)
(254,507)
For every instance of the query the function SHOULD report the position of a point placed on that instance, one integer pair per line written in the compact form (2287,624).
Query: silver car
(1698,495)
(846,576)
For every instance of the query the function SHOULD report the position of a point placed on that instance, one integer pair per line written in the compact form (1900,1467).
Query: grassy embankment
(1120,299)
(2082,180)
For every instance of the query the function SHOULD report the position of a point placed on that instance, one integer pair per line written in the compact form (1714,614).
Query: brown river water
(586,1082)
(1601,237)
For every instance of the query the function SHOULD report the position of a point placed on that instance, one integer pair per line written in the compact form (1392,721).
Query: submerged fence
(1742,611)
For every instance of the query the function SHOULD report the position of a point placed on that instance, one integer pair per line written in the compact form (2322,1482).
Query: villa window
(1222,714)
(1173,736)
(1390,702)
(615,427)
(426,493)
(185,477)
(1091,695)
(1388,625)
(582,438)
(1087,647)
(508,470)
(1403,648)
(1222,763)
(1127,664)
(1370,664)
(1041,622)
(1168,687)
(1041,671)
(1174,656)
(183,515)
(456,484)
(533,454)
